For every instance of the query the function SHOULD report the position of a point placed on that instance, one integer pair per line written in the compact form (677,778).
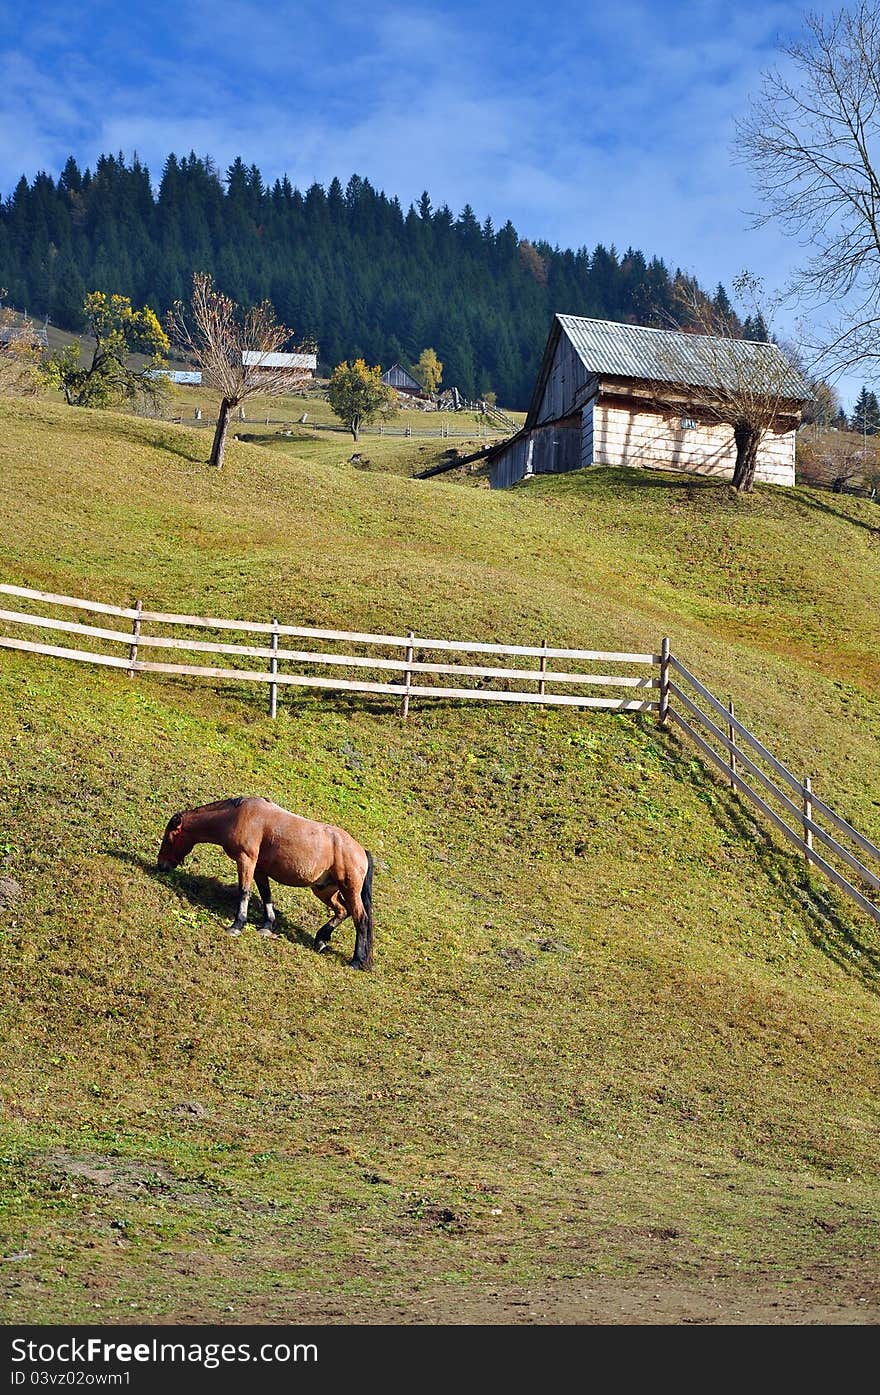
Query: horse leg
(363,948)
(331,898)
(268,926)
(246,864)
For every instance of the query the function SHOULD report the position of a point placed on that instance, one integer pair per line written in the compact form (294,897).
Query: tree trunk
(219,446)
(747,438)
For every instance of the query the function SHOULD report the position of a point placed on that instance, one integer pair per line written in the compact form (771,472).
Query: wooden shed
(615,394)
(398,378)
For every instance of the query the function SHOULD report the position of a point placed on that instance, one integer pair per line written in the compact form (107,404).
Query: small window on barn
(688,423)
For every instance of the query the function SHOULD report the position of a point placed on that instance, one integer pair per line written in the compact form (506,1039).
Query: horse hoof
(267,934)
(233,930)
(359,964)
(322,946)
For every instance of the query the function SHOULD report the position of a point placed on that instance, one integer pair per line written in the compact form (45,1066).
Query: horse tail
(367,902)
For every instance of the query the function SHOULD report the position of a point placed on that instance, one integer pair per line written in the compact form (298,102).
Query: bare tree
(835,460)
(812,140)
(824,409)
(750,386)
(20,356)
(234,349)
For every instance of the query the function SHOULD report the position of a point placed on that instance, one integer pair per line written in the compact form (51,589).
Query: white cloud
(612,124)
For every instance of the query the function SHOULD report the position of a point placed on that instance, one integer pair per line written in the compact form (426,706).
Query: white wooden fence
(397,655)
(648,684)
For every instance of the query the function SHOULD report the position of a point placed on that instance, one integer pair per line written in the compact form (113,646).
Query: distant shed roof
(252,359)
(398,376)
(671,356)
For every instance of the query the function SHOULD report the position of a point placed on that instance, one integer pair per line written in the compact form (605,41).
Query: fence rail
(732,760)
(537,682)
(484,430)
(661,685)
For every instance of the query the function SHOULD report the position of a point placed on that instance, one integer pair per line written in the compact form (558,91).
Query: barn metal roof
(253,359)
(671,356)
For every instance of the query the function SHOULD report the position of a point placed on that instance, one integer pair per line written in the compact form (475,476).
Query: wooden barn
(307,362)
(397,377)
(615,394)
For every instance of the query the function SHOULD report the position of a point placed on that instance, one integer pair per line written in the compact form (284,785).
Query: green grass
(392,454)
(615,1031)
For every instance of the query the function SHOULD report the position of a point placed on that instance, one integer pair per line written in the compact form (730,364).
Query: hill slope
(617,1043)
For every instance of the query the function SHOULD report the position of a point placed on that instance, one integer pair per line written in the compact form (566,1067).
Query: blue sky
(579,122)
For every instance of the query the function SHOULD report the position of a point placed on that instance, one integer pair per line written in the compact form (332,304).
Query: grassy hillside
(618,1057)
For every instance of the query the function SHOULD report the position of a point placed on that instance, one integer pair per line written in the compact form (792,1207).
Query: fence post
(808,814)
(135,636)
(273,668)
(542,686)
(404,706)
(731,733)
(663,715)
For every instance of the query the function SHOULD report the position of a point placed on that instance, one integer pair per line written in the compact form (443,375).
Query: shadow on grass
(167,436)
(221,898)
(647,477)
(176,443)
(815,902)
(822,507)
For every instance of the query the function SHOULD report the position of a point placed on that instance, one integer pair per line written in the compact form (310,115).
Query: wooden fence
(482,429)
(400,656)
(652,683)
(743,754)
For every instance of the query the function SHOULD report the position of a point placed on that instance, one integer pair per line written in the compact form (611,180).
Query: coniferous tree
(866,414)
(345,264)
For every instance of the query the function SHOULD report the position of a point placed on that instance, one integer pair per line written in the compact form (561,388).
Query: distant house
(615,394)
(188,376)
(398,378)
(9,333)
(307,362)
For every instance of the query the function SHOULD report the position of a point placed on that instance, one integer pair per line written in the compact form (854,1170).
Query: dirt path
(840,1298)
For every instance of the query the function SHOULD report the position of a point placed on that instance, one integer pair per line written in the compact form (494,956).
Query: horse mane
(234,803)
(218,806)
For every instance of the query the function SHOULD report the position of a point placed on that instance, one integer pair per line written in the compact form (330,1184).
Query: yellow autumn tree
(429,371)
(20,355)
(119,331)
(358,396)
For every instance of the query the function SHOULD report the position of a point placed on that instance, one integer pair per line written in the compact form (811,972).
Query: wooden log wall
(547,450)
(566,376)
(624,434)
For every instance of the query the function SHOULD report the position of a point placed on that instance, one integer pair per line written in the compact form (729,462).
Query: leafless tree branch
(215,334)
(749,386)
(812,141)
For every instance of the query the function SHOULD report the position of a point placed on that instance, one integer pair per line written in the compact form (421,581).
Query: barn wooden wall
(398,378)
(587,434)
(566,378)
(548,450)
(623,436)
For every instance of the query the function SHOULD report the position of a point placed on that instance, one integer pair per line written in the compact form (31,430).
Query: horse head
(175,844)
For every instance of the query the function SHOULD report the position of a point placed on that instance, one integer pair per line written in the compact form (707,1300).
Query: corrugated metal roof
(252,359)
(671,356)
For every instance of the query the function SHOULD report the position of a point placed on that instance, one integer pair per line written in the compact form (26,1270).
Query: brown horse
(266,841)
